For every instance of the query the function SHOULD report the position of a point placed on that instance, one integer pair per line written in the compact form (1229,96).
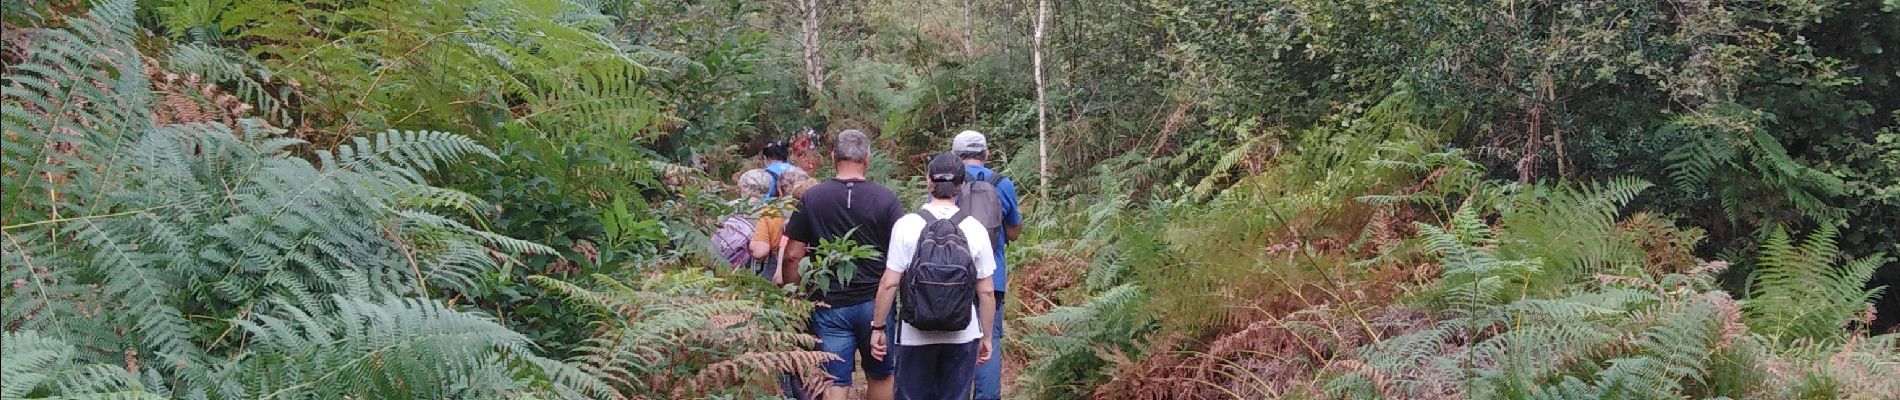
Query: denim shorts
(840,331)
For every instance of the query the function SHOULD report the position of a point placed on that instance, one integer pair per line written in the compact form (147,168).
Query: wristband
(879,327)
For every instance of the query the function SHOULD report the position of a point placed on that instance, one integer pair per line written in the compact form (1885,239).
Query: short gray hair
(974,155)
(852,146)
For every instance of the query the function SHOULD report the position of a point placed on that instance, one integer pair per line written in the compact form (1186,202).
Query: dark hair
(945,190)
(974,155)
(778,150)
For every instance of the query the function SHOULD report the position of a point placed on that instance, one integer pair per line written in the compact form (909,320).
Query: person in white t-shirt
(936,364)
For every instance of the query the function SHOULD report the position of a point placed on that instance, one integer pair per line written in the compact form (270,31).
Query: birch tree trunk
(966,27)
(808,42)
(1042,109)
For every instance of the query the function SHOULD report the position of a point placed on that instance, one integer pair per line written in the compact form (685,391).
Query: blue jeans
(935,371)
(989,375)
(841,330)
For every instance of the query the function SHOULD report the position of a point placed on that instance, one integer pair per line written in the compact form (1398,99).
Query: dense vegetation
(1247,199)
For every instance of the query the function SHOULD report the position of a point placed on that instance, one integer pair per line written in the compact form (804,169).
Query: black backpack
(939,288)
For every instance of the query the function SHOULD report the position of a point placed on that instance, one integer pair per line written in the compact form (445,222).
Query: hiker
(940,266)
(846,204)
(776,152)
(768,237)
(733,239)
(990,198)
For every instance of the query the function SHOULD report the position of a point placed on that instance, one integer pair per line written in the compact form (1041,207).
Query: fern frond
(38,366)
(1800,292)
(80,93)
(399,348)
(729,372)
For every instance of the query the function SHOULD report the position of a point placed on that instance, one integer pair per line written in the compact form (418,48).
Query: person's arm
(984,257)
(788,268)
(761,245)
(1012,215)
(985,315)
(796,234)
(895,263)
(886,293)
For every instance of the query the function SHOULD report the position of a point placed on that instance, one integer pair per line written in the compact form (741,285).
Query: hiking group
(924,318)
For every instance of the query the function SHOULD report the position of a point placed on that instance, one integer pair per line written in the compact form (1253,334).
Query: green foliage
(1728,142)
(1802,294)
(1216,163)
(688,334)
(207,259)
(1074,341)
(399,348)
(833,261)
(38,366)
(1618,332)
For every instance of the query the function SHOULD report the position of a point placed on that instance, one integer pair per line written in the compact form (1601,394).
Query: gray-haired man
(847,204)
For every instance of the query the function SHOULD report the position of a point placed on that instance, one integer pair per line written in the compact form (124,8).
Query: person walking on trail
(733,239)
(990,198)
(782,172)
(942,269)
(846,205)
(768,237)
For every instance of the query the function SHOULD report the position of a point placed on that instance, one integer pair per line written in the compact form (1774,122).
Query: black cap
(946,167)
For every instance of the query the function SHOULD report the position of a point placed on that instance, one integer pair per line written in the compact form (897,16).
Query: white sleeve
(980,247)
(903,243)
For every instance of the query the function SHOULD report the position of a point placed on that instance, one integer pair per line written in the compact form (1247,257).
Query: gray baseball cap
(969,142)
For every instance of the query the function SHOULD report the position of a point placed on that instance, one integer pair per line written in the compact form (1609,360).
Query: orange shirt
(769,230)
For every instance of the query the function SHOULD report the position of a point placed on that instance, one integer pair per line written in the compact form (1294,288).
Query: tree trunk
(966,27)
(1042,109)
(808,42)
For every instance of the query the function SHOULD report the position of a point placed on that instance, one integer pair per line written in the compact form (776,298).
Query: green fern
(43,367)
(81,85)
(1801,293)
(1759,177)
(1074,336)
(401,348)
(678,335)
(1673,352)
(1573,229)
(152,246)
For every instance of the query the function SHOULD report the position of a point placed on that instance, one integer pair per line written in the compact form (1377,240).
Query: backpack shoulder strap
(960,216)
(994,179)
(926,215)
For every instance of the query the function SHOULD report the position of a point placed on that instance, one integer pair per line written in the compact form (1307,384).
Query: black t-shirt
(835,207)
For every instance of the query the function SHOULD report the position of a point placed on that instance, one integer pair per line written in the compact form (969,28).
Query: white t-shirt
(904,235)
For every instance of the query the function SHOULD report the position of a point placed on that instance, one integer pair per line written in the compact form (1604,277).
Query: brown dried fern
(737,371)
(188,99)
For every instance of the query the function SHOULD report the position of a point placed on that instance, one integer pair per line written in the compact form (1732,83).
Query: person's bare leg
(881,389)
(838,393)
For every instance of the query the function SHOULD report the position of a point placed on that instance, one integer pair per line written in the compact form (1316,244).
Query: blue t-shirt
(778,169)
(1011,217)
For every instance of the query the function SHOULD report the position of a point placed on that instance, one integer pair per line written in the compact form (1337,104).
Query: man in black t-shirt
(842,321)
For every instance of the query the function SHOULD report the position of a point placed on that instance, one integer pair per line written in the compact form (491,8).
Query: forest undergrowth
(1394,268)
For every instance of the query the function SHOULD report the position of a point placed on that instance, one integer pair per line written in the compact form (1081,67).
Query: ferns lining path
(212,199)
